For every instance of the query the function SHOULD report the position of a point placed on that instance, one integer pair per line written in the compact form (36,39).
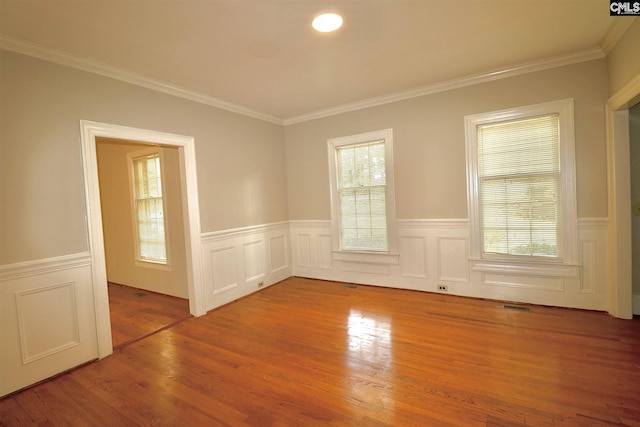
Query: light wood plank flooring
(136,313)
(315,353)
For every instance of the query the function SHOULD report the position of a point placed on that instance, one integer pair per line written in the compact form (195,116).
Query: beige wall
(240,160)
(117,220)
(429,145)
(243,176)
(624,60)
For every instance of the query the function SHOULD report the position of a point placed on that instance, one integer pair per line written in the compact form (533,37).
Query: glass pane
(149,208)
(519,186)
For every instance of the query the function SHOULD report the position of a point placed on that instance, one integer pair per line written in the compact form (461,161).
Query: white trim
(527,268)
(35,50)
(382,258)
(615,33)
(385,135)
(529,67)
(434,223)
(310,223)
(619,198)
(627,96)
(424,263)
(44,266)
(212,236)
(569,251)
(90,131)
(56,56)
(239,261)
(594,222)
(21,307)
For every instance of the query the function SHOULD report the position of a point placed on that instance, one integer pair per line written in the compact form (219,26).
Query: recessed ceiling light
(327,22)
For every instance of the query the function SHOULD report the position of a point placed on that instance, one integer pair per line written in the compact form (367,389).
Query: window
(148,206)
(362,193)
(521,176)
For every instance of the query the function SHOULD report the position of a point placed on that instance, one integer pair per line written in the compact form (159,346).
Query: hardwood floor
(136,313)
(315,353)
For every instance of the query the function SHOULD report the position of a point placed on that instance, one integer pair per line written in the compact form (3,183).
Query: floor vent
(516,307)
(140,294)
(350,286)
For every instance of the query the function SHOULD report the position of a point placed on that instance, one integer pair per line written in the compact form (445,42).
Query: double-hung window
(521,180)
(362,192)
(148,206)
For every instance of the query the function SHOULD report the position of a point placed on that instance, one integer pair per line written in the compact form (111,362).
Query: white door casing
(90,131)
(617,121)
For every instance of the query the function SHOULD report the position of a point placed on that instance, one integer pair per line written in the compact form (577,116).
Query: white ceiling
(264,55)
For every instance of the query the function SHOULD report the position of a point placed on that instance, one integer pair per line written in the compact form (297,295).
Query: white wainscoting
(434,252)
(235,262)
(47,319)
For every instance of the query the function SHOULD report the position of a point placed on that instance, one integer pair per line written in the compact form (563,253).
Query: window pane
(363,221)
(361,165)
(149,209)
(519,186)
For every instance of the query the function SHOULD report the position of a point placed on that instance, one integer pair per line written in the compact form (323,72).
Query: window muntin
(362,193)
(521,183)
(148,208)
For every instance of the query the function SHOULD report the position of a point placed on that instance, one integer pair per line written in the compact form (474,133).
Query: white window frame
(567,244)
(139,261)
(391,255)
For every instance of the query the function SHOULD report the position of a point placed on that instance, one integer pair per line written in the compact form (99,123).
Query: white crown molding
(35,50)
(530,67)
(615,33)
(16,45)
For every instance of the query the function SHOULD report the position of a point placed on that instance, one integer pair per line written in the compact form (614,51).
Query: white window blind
(148,207)
(519,186)
(362,196)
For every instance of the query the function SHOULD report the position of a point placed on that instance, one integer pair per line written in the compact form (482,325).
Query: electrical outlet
(443,288)
(260,284)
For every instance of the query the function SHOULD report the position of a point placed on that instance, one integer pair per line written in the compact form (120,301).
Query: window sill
(379,258)
(153,265)
(527,268)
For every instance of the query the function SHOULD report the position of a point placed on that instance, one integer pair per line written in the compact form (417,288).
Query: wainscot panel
(240,261)
(47,318)
(434,255)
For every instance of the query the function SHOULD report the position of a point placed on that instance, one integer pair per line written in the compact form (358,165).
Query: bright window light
(327,22)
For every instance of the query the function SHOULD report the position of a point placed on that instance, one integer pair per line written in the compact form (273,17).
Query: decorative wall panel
(47,320)
(434,252)
(240,261)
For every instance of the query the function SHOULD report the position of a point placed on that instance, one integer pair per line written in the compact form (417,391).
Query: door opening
(634,154)
(144,241)
(91,132)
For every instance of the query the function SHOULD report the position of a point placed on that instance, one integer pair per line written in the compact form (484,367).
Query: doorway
(91,132)
(144,296)
(634,154)
(620,212)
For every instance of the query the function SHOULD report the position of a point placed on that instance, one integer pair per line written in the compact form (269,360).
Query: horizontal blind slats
(362,196)
(519,186)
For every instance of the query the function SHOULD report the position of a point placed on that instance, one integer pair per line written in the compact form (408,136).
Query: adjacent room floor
(136,313)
